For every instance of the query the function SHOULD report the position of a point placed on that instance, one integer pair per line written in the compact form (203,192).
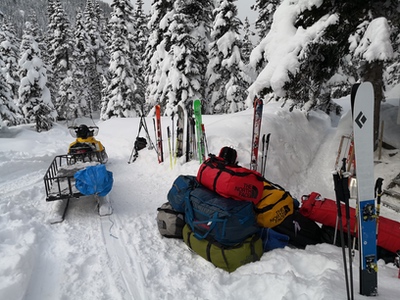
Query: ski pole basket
(59,179)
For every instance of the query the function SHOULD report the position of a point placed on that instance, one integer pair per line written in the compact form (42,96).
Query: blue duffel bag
(225,220)
(180,190)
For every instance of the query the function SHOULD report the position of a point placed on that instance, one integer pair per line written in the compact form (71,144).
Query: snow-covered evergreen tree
(121,95)
(59,50)
(188,53)
(97,61)
(141,36)
(266,9)
(247,44)
(9,49)
(157,48)
(226,72)
(74,87)
(34,97)
(9,112)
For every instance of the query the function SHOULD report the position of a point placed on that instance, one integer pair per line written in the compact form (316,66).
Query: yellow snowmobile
(86,148)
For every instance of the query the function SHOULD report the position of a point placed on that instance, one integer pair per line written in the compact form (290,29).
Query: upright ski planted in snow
(179,132)
(257,117)
(190,134)
(201,151)
(159,135)
(363,116)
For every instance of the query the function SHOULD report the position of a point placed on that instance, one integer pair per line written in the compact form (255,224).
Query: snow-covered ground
(122,256)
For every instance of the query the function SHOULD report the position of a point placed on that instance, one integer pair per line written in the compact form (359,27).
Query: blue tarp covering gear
(94,180)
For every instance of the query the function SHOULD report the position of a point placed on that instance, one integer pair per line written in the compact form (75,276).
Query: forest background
(61,59)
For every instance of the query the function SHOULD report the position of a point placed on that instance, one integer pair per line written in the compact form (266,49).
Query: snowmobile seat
(83,152)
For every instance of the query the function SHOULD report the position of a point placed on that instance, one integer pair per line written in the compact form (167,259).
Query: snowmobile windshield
(82,121)
(73,131)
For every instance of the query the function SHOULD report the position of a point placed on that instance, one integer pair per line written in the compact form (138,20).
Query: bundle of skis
(255,141)
(190,133)
(191,139)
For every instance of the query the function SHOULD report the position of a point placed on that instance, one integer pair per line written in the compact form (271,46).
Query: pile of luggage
(226,213)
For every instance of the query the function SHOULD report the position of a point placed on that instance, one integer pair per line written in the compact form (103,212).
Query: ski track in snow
(123,260)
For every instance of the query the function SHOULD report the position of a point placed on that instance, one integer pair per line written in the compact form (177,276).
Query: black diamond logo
(361,119)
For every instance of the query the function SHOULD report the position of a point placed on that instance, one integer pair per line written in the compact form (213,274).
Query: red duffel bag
(231,181)
(324,211)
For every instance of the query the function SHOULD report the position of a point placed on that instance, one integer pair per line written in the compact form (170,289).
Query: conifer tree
(157,48)
(247,44)
(9,44)
(59,51)
(227,78)
(97,59)
(9,112)
(266,9)
(141,36)
(74,87)
(121,95)
(188,52)
(34,97)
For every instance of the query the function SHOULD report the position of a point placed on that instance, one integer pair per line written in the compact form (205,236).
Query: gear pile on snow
(223,225)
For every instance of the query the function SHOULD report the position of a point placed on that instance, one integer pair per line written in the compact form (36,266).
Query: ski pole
(173,132)
(205,138)
(346,200)
(343,194)
(263,166)
(378,195)
(262,153)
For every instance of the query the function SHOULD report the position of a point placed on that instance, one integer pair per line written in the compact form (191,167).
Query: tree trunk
(373,72)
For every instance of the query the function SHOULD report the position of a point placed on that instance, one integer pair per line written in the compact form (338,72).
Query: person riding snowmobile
(86,145)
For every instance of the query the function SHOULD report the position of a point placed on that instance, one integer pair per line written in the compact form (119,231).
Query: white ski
(363,125)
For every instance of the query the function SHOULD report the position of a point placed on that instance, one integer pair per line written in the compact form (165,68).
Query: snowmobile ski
(199,132)
(59,211)
(160,152)
(363,118)
(104,206)
(257,117)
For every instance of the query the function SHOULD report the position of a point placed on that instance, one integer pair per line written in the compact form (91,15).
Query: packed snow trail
(126,271)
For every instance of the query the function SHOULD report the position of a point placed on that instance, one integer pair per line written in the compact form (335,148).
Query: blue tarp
(94,180)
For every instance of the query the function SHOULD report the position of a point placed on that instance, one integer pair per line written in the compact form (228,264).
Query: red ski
(159,135)
(258,110)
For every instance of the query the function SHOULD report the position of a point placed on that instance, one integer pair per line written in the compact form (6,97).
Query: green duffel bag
(228,258)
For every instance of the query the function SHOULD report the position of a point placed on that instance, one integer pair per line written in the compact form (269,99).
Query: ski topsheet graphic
(258,109)
(363,123)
